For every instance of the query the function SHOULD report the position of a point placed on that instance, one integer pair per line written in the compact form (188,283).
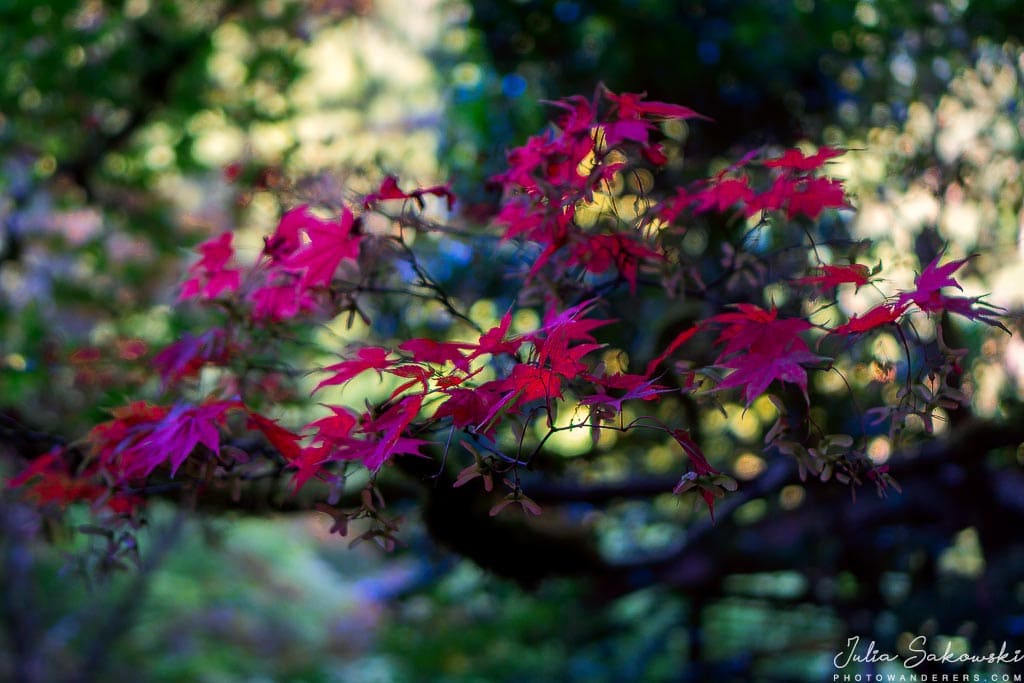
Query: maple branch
(934,494)
(428,282)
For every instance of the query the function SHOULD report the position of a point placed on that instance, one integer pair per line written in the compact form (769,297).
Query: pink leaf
(876,317)
(795,160)
(368,358)
(209,276)
(828,277)
(330,243)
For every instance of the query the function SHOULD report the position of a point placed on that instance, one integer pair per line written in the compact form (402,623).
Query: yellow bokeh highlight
(748,466)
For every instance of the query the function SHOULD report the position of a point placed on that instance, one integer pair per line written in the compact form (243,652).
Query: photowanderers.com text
(926,678)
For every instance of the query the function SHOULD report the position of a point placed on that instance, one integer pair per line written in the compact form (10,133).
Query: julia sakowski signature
(920,654)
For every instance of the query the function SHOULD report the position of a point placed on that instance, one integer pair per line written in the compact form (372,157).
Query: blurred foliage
(780,64)
(131,131)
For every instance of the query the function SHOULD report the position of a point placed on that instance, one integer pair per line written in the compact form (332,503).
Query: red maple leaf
(495,340)
(701,468)
(389,190)
(679,340)
(468,407)
(811,196)
(723,193)
(528,382)
(386,432)
(795,160)
(761,348)
(333,436)
(828,277)
(623,251)
(879,315)
(285,441)
(308,463)
(335,427)
(637,387)
(49,480)
(631,106)
(430,351)
(367,358)
(416,374)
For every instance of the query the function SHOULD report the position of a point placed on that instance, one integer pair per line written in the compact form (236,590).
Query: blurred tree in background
(129,131)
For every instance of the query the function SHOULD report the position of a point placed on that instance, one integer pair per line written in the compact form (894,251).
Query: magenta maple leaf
(722,194)
(828,277)
(795,160)
(751,327)
(578,116)
(571,321)
(209,277)
(976,309)
(308,463)
(761,348)
(882,314)
(701,467)
(495,341)
(177,435)
(367,358)
(636,387)
(811,196)
(389,190)
(335,427)
(330,243)
(430,351)
(755,371)
(929,284)
(636,130)
(468,407)
(282,298)
(632,106)
(286,238)
(185,357)
(386,432)
(927,294)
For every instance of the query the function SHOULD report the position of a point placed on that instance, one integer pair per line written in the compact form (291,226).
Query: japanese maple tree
(256,395)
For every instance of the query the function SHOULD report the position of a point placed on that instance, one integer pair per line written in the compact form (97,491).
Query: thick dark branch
(554,492)
(947,486)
